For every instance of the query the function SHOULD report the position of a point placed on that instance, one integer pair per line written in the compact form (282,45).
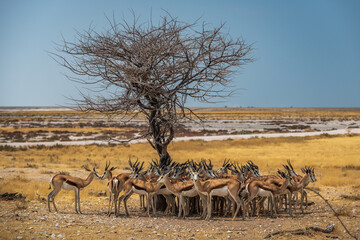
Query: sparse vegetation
(355,197)
(322,152)
(27,170)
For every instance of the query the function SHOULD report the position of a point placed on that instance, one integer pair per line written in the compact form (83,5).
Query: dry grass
(344,211)
(336,159)
(355,197)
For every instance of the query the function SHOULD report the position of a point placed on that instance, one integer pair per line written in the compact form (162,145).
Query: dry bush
(355,197)
(22,179)
(351,167)
(344,211)
(29,165)
(102,193)
(20,205)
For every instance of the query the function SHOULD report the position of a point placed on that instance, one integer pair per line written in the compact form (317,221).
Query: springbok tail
(115,184)
(247,188)
(50,183)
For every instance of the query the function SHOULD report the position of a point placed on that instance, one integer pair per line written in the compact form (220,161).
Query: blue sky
(308,52)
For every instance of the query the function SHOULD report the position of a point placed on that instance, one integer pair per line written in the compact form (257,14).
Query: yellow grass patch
(336,159)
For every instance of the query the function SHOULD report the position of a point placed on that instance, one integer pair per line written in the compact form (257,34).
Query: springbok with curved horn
(67,182)
(224,187)
(108,174)
(116,184)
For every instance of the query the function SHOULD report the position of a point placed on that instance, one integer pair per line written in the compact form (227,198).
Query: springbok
(264,189)
(66,182)
(141,187)
(180,189)
(116,184)
(223,187)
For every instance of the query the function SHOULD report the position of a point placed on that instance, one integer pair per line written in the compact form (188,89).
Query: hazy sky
(308,52)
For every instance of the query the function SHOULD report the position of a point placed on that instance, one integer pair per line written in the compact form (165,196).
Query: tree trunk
(165,157)
(160,142)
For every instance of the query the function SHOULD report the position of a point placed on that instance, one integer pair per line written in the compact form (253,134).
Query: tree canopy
(153,69)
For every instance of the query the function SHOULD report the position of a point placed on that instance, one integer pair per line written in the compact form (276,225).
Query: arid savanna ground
(27,170)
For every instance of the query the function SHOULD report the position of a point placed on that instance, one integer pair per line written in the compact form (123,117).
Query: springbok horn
(290,165)
(141,166)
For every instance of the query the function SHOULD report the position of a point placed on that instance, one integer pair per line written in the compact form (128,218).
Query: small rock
(228,236)
(19,237)
(60,236)
(53,235)
(42,219)
(229,231)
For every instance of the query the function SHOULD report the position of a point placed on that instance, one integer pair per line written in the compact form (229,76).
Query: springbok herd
(196,188)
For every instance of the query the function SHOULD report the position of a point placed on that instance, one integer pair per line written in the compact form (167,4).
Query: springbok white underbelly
(264,193)
(221,192)
(138,191)
(67,186)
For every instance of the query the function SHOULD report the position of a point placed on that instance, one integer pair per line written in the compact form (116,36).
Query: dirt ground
(22,219)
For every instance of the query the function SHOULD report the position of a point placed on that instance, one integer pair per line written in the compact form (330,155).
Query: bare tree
(150,69)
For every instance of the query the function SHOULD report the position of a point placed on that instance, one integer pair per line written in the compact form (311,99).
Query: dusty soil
(31,220)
